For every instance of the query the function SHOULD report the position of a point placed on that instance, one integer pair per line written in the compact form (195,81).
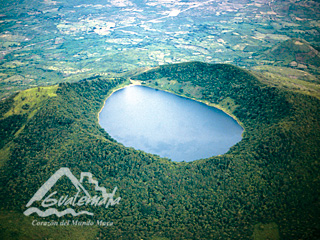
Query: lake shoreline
(204,102)
(121,86)
(138,83)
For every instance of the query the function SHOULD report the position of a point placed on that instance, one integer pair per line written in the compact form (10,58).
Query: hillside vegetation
(294,52)
(266,186)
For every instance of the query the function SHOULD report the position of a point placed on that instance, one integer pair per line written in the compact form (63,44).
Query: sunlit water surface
(168,125)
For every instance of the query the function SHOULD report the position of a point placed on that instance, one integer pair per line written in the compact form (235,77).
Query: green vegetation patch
(15,226)
(268,231)
(289,79)
(27,101)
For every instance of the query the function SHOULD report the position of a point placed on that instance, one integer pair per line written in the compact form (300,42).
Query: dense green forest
(266,187)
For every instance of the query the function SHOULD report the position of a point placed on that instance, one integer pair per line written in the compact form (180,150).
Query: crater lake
(168,125)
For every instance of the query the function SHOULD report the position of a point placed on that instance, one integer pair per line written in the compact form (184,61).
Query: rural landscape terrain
(257,60)
(47,42)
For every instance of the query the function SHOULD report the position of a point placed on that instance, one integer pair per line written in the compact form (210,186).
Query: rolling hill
(296,53)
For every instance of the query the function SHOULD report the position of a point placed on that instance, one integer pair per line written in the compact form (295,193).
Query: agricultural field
(47,42)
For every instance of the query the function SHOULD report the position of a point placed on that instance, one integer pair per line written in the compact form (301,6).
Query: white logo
(105,200)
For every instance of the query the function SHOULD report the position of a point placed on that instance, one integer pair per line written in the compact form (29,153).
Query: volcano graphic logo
(106,199)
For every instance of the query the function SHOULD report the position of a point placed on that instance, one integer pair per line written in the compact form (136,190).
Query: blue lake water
(165,124)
